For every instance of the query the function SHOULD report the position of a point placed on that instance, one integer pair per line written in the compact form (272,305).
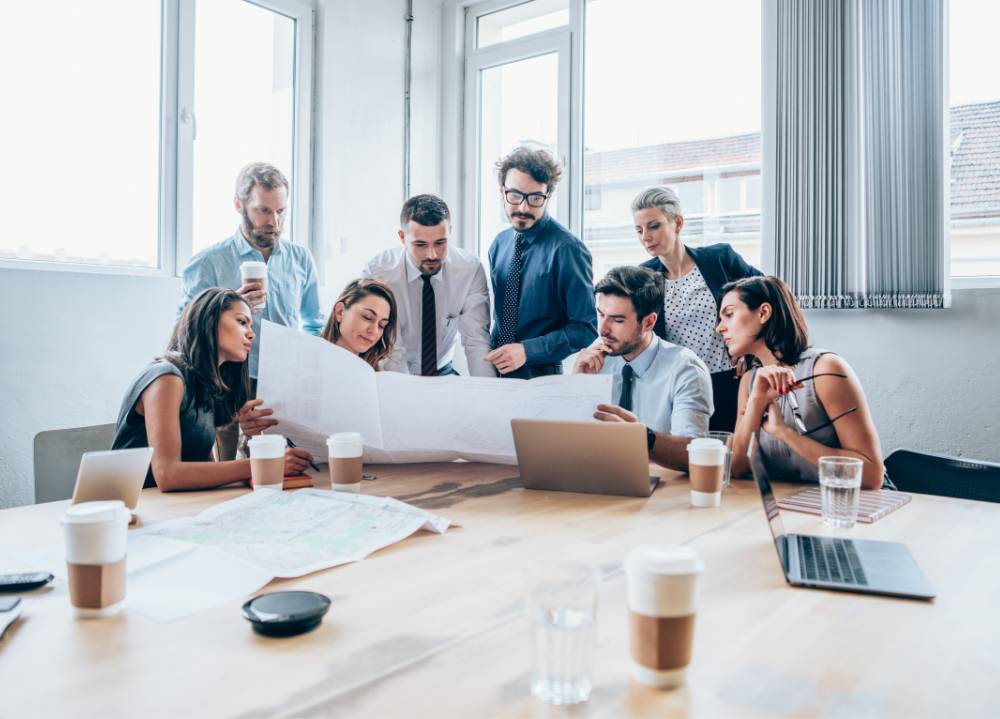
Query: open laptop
(112,474)
(851,565)
(593,457)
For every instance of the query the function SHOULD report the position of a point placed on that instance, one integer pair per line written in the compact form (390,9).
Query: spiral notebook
(873,505)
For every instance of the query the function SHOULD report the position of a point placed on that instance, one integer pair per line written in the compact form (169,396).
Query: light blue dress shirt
(292,289)
(671,390)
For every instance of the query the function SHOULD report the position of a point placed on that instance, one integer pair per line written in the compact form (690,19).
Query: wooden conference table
(433,626)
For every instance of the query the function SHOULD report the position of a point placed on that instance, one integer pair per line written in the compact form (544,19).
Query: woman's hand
(296,461)
(254,419)
(772,382)
(775,424)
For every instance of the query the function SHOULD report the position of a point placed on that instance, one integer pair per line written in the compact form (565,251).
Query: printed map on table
(290,534)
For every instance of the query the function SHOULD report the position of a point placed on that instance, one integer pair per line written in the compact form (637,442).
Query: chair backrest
(925,473)
(57,458)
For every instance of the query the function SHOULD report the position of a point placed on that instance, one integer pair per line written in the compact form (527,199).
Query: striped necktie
(511,296)
(428,331)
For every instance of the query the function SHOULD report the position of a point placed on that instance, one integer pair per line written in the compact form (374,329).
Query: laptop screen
(767,497)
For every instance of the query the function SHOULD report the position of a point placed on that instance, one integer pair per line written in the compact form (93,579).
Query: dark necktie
(428,331)
(511,297)
(625,400)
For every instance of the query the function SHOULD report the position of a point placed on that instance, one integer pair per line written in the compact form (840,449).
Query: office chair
(57,456)
(925,473)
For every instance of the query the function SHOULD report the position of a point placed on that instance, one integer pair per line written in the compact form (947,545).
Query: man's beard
(257,235)
(627,349)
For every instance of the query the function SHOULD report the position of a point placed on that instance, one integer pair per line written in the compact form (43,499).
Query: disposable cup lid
(97,512)
(707,450)
(267,440)
(253,265)
(344,438)
(668,559)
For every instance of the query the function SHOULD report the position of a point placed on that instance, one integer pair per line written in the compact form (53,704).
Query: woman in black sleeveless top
(176,403)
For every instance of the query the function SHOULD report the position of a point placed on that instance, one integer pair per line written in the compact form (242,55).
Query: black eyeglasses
(800,425)
(535,199)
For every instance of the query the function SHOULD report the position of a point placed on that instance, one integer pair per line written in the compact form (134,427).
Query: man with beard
(291,297)
(440,291)
(662,385)
(542,274)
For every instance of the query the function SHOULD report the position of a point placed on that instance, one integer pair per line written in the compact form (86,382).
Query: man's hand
(253,293)
(590,360)
(614,413)
(254,419)
(508,358)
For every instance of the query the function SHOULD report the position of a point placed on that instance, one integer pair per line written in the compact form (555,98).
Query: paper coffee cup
(706,470)
(267,460)
(345,452)
(662,583)
(255,270)
(96,537)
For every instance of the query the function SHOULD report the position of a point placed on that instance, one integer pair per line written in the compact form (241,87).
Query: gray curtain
(853,141)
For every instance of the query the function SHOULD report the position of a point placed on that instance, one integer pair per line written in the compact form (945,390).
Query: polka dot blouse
(691,316)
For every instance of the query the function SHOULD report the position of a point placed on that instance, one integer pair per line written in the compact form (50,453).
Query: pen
(292,445)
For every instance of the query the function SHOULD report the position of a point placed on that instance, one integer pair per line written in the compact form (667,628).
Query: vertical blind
(857,199)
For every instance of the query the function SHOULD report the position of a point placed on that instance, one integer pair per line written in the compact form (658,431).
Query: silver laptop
(593,457)
(851,565)
(112,474)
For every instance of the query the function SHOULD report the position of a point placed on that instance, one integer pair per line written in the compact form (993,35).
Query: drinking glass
(727,439)
(562,605)
(840,489)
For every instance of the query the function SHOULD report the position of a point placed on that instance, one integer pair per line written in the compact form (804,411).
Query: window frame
(177,125)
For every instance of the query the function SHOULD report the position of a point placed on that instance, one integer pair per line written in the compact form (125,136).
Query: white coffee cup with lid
(255,271)
(706,470)
(345,451)
(662,583)
(96,536)
(267,460)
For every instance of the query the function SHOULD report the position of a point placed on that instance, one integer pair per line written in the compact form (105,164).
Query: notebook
(873,505)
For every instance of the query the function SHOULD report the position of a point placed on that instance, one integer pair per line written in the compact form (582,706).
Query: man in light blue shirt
(290,295)
(662,385)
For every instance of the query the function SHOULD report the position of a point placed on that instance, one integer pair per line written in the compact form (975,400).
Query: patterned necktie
(625,400)
(511,297)
(428,331)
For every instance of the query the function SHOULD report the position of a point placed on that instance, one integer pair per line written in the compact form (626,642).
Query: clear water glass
(840,489)
(727,439)
(562,607)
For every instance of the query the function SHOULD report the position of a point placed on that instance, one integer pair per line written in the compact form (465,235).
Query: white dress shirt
(461,301)
(671,389)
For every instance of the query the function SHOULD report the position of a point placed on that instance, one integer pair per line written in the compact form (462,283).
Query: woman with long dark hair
(363,321)
(199,384)
(802,402)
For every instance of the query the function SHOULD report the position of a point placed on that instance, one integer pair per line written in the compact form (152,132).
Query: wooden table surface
(434,626)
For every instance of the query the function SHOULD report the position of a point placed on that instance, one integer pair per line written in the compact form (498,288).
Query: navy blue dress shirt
(557,315)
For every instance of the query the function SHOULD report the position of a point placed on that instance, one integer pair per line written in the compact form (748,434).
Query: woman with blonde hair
(693,281)
(363,321)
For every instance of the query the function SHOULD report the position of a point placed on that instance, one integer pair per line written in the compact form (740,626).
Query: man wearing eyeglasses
(542,275)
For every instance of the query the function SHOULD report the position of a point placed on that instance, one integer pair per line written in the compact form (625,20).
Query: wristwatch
(650,439)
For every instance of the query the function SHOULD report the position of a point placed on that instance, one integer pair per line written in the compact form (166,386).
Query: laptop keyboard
(829,559)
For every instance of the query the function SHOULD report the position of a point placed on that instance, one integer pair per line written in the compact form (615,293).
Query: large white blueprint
(317,389)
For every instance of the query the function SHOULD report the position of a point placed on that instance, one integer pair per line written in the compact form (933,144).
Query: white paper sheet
(316,389)
(290,534)
(405,418)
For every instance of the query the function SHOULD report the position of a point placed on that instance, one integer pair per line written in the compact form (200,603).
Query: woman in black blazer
(694,277)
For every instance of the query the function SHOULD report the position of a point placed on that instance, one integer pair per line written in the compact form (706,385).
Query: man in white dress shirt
(663,385)
(441,293)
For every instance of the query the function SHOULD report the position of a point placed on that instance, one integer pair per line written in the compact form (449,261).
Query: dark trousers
(227,437)
(725,395)
(532,371)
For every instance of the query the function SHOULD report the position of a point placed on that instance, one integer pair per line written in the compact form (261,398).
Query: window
(521,20)
(672,95)
(124,152)
(974,85)
(80,140)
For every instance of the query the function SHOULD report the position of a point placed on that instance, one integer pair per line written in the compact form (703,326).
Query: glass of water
(727,439)
(562,605)
(840,488)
